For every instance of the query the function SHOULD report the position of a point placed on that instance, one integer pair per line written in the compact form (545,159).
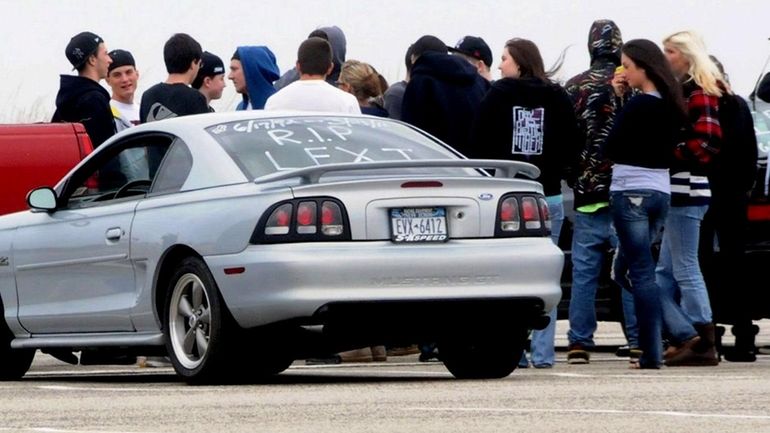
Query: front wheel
(483,356)
(195,331)
(14,363)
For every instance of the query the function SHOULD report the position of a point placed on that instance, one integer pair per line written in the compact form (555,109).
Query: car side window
(126,171)
(174,170)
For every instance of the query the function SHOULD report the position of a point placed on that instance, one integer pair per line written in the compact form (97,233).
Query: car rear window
(265,146)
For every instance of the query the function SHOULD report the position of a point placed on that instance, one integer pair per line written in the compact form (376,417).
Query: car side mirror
(42,199)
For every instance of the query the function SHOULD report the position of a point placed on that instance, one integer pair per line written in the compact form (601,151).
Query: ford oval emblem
(486,196)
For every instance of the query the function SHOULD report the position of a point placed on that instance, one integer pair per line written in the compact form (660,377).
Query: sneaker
(542,365)
(622,351)
(576,354)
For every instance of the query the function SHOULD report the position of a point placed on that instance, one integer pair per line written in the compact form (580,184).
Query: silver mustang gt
(237,243)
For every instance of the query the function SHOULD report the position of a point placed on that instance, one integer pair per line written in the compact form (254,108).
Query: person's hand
(620,82)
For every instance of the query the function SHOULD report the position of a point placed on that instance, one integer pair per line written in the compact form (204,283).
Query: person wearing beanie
(122,78)
(210,80)
(81,98)
(253,69)
(174,97)
(477,52)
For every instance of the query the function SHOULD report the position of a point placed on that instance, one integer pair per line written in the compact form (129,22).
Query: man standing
(81,98)
(210,80)
(336,38)
(174,97)
(394,96)
(122,77)
(443,94)
(477,53)
(311,92)
(253,70)
(593,98)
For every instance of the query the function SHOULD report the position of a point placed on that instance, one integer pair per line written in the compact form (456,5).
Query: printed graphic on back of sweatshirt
(528,131)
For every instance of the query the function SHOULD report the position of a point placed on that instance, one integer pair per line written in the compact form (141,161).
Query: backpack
(734,167)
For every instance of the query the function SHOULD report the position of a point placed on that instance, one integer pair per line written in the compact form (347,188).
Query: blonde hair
(362,78)
(702,69)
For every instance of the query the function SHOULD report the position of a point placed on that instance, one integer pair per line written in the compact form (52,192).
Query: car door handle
(114,234)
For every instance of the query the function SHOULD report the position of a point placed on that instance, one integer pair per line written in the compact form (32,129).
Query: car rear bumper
(294,281)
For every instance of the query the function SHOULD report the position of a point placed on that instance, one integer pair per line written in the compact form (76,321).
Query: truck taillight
(303,220)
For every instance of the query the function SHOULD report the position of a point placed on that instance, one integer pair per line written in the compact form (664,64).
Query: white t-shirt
(126,115)
(313,95)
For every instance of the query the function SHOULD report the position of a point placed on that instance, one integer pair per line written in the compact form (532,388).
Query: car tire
(484,357)
(14,363)
(196,324)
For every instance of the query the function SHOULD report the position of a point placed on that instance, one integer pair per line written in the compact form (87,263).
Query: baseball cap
(211,65)
(120,58)
(475,47)
(80,47)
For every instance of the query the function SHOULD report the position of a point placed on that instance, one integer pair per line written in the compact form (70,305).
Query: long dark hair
(648,56)
(526,54)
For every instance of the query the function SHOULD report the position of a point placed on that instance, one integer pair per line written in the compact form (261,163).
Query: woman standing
(641,147)
(678,272)
(363,82)
(527,117)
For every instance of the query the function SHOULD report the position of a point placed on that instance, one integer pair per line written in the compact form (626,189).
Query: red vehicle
(37,154)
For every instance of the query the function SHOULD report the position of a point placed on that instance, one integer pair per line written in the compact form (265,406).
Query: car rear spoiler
(309,175)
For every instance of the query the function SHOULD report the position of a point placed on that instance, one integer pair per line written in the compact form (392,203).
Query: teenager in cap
(81,98)
(477,52)
(210,80)
(122,78)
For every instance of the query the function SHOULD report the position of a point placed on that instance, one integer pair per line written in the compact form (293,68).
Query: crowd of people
(652,141)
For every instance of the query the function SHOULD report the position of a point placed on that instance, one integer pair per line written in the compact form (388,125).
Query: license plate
(418,224)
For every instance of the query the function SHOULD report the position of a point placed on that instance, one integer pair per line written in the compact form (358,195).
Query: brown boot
(708,340)
(357,355)
(379,354)
(691,354)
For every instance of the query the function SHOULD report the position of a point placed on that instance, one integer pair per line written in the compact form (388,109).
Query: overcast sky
(35,32)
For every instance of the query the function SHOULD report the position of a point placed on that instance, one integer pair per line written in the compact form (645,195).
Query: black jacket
(84,100)
(529,120)
(442,97)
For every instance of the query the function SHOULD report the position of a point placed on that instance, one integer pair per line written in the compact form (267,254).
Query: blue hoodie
(259,70)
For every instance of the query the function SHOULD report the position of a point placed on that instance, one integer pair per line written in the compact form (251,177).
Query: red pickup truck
(37,154)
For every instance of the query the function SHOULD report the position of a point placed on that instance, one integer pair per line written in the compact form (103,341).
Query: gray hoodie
(339,46)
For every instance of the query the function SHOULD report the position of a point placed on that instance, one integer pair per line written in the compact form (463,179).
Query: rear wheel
(14,363)
(195,330)
(484,355)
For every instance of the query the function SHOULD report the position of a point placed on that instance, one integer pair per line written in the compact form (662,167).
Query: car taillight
(509,215)
(544,212)
(522,214)
(279,220)
(331,219)
(303,220)
(306,217)
(530,213)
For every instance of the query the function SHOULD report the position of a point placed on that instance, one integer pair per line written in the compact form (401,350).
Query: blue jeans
(678,273)
(592,233)
(543,352)
(620,277)
(638,216)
